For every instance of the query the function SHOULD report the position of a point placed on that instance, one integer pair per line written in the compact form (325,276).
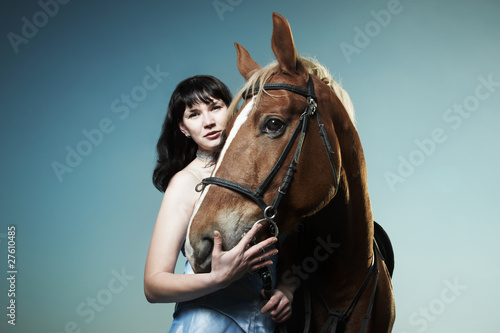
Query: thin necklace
(204,156)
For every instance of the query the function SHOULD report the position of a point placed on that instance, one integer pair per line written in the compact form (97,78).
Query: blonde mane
(262,75)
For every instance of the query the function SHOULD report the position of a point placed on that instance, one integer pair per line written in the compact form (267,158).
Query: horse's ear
(246,65)
(282,44)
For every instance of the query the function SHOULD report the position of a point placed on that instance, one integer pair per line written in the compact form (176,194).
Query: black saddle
(385,246)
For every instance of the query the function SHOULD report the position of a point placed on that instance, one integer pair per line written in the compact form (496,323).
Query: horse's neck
(346,222)
(352,203)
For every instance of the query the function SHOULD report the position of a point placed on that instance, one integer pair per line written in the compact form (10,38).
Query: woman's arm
(160,282)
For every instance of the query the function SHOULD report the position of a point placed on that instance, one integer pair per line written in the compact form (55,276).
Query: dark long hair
(174,149)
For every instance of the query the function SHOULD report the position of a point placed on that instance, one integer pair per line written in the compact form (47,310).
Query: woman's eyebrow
(216,102)
(192,108)
(211,103)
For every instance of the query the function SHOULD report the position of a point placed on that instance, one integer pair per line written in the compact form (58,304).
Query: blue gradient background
(73,234)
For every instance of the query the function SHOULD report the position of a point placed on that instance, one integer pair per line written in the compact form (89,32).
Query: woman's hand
(229,266)
(279,305)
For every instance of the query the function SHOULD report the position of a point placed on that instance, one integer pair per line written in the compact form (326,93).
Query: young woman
(228,299)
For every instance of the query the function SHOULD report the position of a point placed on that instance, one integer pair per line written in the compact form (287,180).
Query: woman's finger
(280,313)
(217,244)
(278,307)
(263,256)
(248,238)
(258,249)
(258,265)
(282,317)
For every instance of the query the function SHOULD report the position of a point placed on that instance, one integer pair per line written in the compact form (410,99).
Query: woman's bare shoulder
(180,197)
(185,179)
(183,183)
(197,169)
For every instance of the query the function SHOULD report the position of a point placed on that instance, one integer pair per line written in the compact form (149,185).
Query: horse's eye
(273,126)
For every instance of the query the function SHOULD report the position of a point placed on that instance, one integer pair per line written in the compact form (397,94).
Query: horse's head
(269,123)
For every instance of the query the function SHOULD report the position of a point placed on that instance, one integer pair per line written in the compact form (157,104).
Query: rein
(335,317)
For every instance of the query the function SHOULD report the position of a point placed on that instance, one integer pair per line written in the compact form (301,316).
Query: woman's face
(204,123)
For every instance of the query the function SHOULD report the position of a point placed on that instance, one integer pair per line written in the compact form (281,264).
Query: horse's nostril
(205,254)
(207,244)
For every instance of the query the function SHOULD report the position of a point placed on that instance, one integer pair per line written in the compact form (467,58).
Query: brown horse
(295,143)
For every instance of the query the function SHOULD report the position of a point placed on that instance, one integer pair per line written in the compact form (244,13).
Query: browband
(284,86)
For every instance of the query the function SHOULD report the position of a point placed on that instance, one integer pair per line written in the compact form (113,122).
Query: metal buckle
(312,106)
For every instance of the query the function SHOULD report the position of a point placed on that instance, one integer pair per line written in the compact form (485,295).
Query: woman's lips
(212,135)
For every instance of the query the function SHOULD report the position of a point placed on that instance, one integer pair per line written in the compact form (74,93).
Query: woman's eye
(273,126)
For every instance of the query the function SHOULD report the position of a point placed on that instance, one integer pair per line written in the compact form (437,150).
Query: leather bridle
(300,132)
(270,211)
(301,129)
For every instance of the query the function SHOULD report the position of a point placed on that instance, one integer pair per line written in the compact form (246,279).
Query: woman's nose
(208,120)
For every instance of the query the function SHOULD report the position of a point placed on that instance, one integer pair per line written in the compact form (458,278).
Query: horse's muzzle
(202,260)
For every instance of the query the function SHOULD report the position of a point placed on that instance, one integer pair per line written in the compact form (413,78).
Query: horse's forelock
(263,75)
(258,78)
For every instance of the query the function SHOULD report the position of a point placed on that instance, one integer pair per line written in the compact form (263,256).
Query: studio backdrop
(84,87)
